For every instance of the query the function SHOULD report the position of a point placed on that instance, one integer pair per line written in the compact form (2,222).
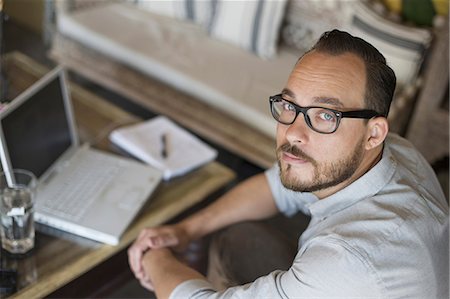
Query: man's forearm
(166,272)
(251,200)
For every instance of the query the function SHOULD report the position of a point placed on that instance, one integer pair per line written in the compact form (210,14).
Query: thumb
(161,241)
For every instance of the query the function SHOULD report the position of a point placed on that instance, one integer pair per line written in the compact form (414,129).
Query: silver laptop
(81,190)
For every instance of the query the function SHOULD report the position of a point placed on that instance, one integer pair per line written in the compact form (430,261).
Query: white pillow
(402,46)
(197,11)
(307,20)
(250,24)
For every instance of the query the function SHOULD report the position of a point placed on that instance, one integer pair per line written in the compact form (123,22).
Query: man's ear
(377,130)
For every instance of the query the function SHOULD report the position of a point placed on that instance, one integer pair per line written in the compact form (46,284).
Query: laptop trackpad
(131,199)
(118,204)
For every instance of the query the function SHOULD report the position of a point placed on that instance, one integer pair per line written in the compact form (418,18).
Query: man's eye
(327,116)
(288,107)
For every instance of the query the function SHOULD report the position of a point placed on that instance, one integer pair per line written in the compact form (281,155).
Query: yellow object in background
(394,5)
(441,7)
(419,12)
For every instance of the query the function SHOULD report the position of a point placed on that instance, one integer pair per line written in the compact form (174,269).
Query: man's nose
(298,131)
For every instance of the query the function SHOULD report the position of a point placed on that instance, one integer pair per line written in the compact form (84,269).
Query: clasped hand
(170,236)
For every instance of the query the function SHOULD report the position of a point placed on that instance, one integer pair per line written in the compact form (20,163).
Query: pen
(164,147)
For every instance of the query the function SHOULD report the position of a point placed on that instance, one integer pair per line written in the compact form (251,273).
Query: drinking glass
(17,195)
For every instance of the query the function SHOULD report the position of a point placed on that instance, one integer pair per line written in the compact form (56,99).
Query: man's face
(323,163)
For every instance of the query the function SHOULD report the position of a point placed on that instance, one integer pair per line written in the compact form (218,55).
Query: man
(379,219)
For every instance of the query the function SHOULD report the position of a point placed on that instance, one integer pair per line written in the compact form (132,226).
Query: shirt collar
(366,186)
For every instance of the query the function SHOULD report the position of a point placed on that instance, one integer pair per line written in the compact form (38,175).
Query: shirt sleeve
(288,202)
(324,270)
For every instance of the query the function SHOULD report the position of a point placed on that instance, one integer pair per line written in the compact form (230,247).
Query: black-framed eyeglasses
(320,119)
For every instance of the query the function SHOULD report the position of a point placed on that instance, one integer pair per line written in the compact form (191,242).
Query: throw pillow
(306,20)
(403,46)
(250,24)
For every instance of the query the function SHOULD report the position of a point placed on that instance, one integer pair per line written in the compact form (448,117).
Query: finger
(135,253)
(137,250)
(144,233)
(147,284)
(133,249)
(148,238)
(134,268)
(164,240)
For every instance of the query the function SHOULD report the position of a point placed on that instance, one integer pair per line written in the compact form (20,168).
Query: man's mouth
(293,155)
(292,159)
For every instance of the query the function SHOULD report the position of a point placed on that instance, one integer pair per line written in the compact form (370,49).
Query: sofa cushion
(253,25)
(305,21)
(182,55)
(403,46)
(197,11)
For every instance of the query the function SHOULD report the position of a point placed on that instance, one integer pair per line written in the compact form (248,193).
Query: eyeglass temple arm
(361,114)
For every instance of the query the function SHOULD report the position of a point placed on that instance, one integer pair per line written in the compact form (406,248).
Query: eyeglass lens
(319,119)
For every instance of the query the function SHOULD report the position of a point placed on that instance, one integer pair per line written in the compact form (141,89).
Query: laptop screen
(37,132)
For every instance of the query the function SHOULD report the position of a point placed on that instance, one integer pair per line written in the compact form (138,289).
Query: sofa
(211,65)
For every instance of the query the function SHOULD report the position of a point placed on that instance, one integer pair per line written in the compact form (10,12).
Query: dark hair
(380,78)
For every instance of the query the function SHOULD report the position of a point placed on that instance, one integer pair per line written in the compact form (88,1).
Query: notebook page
(145,141)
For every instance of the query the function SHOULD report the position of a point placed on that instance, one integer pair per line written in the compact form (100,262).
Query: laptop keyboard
(71,200)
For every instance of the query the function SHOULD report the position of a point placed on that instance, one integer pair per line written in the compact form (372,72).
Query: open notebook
(163,144)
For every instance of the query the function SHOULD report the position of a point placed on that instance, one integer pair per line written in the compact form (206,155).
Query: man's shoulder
(414,175)
(371,255)
(397,217)
(401,147)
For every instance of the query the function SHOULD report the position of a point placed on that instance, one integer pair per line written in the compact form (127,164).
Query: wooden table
(59,258)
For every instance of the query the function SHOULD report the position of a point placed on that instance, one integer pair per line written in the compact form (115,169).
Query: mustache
(295,151)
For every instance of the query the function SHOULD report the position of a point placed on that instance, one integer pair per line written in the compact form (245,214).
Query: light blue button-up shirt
(384,236)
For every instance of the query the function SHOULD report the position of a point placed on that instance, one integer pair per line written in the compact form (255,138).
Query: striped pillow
(402,46)
(250,24)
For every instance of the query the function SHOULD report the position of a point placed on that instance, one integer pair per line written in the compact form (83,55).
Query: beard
(324,175)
